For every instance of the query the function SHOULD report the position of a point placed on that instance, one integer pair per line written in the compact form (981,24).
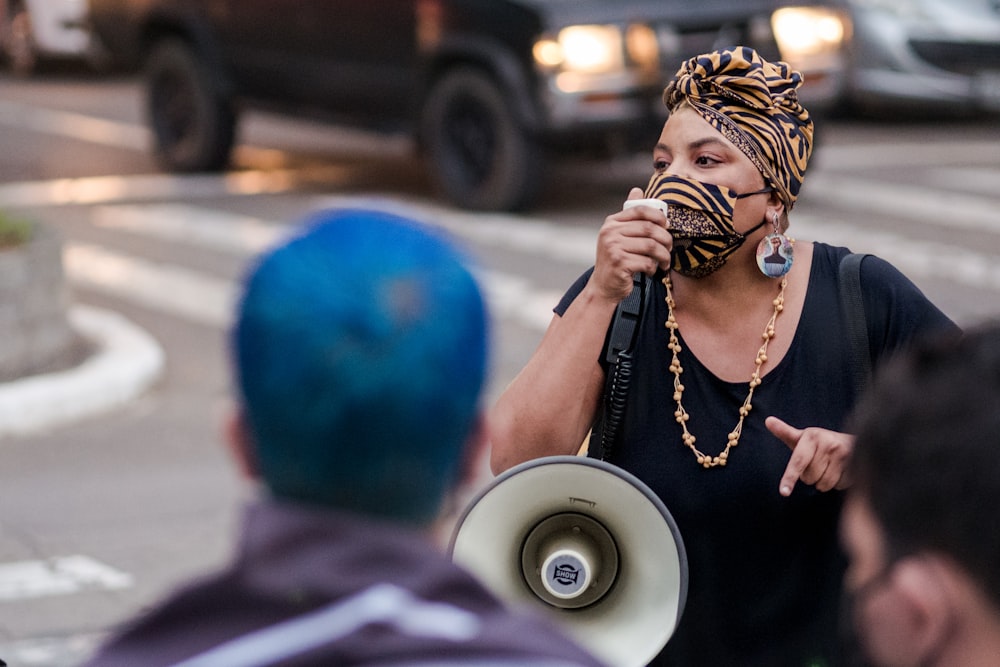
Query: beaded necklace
(681,415)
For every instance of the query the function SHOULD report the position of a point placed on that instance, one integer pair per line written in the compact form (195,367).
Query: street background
(133,501)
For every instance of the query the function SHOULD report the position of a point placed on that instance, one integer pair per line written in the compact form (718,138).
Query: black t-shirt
(765,570)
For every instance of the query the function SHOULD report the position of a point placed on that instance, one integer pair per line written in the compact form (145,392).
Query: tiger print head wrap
(754,104)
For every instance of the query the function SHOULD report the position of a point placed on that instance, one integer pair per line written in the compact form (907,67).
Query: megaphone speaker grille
(587,542)
(569,560)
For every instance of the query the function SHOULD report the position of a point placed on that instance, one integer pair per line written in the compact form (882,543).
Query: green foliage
(13,230)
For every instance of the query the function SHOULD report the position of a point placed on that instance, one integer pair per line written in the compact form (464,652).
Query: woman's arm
(549,407)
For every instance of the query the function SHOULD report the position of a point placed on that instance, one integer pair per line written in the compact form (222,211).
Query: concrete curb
(127,362)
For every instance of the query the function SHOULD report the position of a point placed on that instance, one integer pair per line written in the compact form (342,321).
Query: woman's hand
(632,241)
(819,456)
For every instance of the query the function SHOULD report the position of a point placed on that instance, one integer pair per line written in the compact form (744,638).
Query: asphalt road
(100,517)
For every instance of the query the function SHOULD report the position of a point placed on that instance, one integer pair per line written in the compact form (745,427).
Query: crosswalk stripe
(942,208)
(171,289)
(984,181)
(74,126)
(181,223)
(58,576)
(209,300)
(93,190)
(916,259)
(246,235)
(514,298)
(925,153)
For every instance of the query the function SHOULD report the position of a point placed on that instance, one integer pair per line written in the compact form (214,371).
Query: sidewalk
(126,362)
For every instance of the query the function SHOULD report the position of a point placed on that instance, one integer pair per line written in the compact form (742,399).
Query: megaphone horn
(586,542)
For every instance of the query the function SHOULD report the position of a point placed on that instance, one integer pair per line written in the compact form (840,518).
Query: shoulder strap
(852,309)
(618,356)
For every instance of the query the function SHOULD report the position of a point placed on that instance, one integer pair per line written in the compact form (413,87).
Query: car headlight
(587,49)
(807,31)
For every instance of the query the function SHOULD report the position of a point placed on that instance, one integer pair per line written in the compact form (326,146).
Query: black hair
(927,454)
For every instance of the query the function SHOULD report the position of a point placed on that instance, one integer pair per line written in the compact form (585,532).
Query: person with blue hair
(360,351)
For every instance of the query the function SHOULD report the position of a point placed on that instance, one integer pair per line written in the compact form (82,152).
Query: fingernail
(785,490)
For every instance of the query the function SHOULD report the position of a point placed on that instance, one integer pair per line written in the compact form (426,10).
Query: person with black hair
(920,521)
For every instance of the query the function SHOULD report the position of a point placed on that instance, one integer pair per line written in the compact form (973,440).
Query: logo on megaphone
(588,543)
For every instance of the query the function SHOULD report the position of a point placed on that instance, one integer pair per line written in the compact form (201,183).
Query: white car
(35,30)
(924,55)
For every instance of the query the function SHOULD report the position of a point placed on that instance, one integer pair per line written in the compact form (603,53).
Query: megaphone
(588,543)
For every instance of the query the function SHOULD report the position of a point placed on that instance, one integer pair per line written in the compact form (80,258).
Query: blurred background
(150,149)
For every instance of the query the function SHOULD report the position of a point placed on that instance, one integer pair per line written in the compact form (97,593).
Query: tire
(19,48)
(193,123)
(481,156)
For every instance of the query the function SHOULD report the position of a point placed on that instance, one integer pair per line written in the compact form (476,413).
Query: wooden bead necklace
(681,414)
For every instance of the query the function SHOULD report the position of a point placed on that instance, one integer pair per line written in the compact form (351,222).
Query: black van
(487,87)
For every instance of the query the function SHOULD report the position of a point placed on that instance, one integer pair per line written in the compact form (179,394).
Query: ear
(776,206)
(928,610)
(236,433)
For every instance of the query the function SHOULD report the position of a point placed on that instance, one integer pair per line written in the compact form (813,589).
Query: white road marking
(983,180)
(49,651)
(181,223)
(145,187)
(513,298)
(916,259)
(128,362)
(58,576)
(963,197)
(75,126)
(168,288)
(497,230)
(941,208)
(908,153)
(209,300)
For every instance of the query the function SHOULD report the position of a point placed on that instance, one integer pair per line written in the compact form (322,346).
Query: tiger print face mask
(700,218)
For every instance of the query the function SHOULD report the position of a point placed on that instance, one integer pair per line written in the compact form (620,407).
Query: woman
(742,374)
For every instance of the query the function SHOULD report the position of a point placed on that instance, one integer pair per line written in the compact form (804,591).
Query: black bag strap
(618,353)
(852,308)
(625,325)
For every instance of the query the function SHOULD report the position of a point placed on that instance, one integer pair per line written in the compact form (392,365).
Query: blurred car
(34,31)
(930,55)
(487,87)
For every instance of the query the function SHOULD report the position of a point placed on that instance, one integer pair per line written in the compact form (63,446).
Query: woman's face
(692,148)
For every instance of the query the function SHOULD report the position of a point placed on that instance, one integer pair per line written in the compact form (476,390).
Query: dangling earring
(774,252)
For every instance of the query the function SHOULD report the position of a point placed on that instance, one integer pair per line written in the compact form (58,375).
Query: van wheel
(481,156)
(193,123)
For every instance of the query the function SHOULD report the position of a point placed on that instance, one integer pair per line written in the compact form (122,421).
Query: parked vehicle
(925,55)
(487,87)
(33,31)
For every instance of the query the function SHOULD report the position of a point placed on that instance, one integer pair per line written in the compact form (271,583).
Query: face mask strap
(754,228)
(762,191)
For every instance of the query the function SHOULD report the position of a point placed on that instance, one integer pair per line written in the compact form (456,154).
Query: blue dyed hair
(360,352)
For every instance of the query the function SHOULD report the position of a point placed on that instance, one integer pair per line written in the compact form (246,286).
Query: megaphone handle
(617,396)
(621,342)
